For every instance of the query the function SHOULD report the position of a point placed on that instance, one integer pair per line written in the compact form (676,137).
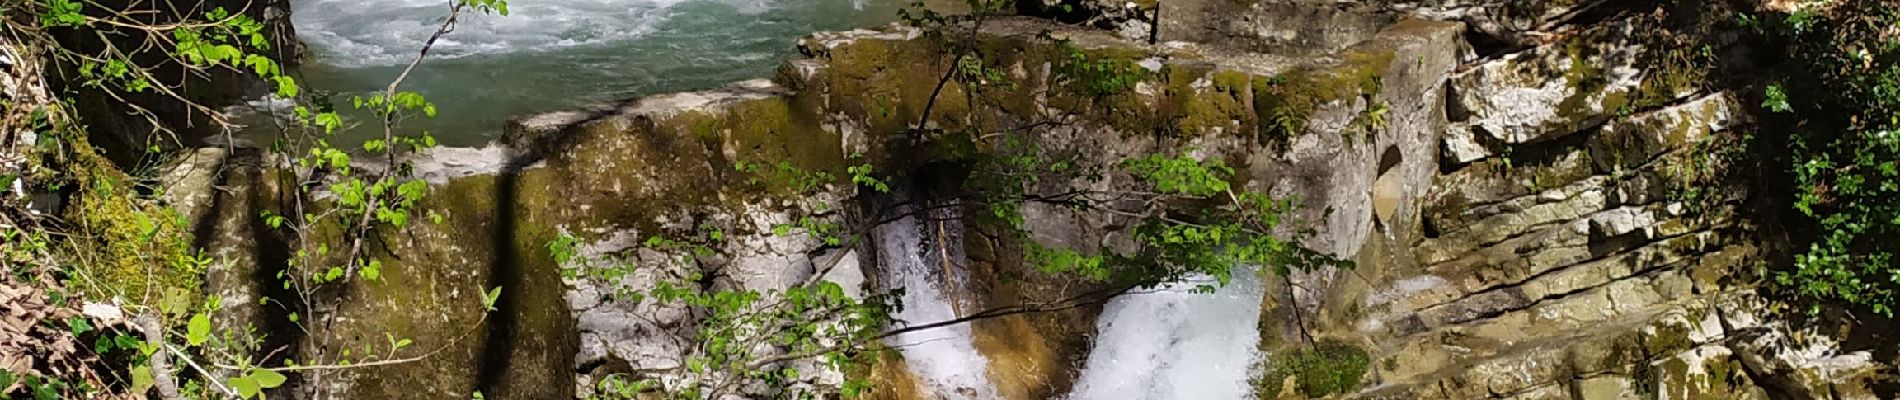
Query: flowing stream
(912,255)
(550,55)
(1172,343)
(1167,343)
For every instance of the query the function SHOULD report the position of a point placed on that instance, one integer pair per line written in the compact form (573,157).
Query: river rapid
(550,55)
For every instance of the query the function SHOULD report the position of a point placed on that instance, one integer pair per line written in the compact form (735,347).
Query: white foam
(1173,344)
(360,33)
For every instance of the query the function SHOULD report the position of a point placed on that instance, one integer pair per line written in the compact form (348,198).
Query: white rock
(1461,145)
(103,312)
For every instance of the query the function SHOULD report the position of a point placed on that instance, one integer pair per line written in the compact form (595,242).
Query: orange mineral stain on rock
(1021,362)
(890,379)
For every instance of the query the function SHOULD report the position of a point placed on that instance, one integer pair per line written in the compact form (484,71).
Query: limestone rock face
(1284,27)
(1560,254)
(191,179)
(1506,21)
(1554,90)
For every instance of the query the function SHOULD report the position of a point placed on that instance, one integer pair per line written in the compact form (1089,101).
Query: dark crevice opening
(1389,159)
(499,343)
(505,333)
(273,250)
(206,226)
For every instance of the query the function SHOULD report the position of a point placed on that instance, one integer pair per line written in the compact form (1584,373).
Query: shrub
(1326,368)
(1839,97)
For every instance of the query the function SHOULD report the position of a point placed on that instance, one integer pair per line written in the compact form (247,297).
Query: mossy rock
(883,82)
(430,288)
(127,244)
(1326,368)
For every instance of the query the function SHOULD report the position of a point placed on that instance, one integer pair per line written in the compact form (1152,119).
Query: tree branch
(160,361)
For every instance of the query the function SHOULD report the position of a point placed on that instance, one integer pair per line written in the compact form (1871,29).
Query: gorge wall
(1535,199)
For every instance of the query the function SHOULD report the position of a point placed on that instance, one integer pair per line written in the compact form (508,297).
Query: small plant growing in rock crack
(780,341)
(745,339)
(1327,368)
(1097,76)
(1192,222)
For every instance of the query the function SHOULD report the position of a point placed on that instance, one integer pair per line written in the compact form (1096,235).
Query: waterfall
(1171,343)
(912,256)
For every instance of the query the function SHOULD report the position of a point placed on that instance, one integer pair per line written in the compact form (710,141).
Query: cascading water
(1171,343)
(923,259)
(550,55)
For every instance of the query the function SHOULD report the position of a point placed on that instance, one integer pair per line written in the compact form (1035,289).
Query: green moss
(1667,338)
(1326,368)
(1675,378)
(1101,84)
(1232,80)
(621,177)
(131,246)
(1717,378)
(770,129)
(1126,56)
(1099,72)
(1667,73)
(621,174)
(1680,69)
(1585,79)
(1285,102)
(885,83)
(1223,105)
(699,124)
(533,294)
(429,289)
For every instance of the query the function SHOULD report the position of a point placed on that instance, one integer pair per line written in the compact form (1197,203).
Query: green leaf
(286,86)
(246,386)
(260,64)
(267,378)
(373,271)
(78,325)
(63,13)
(141,379)
(330,122)
(198,330)
(147,228)
(488,301)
